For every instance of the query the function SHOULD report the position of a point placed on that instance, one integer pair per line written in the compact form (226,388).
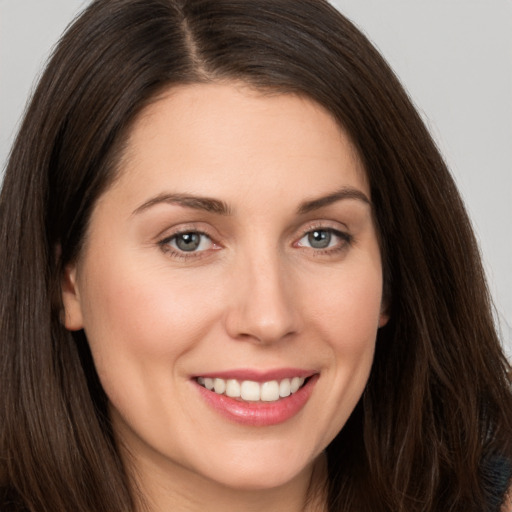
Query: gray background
(454,57)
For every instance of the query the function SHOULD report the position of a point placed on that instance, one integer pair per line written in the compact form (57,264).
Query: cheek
(139,324)
(349,310)
(143,310)
(347,317)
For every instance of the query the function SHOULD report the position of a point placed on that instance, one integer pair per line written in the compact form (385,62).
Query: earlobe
(383,320)
(384,316)
(72,309)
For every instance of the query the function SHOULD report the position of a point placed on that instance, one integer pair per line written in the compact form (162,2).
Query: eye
(322,239)
(319,239)
(190,241)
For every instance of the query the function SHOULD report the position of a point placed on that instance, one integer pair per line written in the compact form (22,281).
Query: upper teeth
(252,391)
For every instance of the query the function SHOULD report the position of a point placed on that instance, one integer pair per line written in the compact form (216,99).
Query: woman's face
(236,249)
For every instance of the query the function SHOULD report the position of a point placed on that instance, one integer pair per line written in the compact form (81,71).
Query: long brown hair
(437,410)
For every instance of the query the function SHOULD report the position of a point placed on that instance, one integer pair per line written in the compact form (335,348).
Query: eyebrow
(342,193)
(207,204)
(219,207)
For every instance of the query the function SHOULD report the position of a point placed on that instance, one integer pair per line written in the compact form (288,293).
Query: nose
(264,308)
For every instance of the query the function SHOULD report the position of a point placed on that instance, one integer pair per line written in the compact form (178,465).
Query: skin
(255,294)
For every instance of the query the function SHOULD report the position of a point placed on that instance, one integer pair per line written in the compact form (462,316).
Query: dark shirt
(497,477)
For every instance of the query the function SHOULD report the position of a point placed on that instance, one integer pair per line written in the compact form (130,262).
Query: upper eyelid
(323,228)
(182,228)
(325,225)
(184,232)
(337,232)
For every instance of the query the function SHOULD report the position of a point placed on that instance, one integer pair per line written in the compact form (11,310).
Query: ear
(72,315)
(384,315)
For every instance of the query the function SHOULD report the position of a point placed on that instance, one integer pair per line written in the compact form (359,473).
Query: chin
(262,474)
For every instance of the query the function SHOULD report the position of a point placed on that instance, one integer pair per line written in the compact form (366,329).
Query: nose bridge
(263,308)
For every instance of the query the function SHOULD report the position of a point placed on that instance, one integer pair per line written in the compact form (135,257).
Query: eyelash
(346,241)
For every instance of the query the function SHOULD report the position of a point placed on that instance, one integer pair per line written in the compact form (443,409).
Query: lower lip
(259,414)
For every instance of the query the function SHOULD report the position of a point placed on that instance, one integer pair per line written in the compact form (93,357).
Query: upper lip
(242,374)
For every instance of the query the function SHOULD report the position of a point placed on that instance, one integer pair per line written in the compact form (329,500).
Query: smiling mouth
(252,391)
(257,399)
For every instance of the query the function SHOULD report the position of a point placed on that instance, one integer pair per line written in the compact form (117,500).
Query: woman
(238,276)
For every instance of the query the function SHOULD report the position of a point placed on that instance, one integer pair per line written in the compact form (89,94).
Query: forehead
(202,135)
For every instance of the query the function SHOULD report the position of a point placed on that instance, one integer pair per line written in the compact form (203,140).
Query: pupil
(188,241)
(319,239)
